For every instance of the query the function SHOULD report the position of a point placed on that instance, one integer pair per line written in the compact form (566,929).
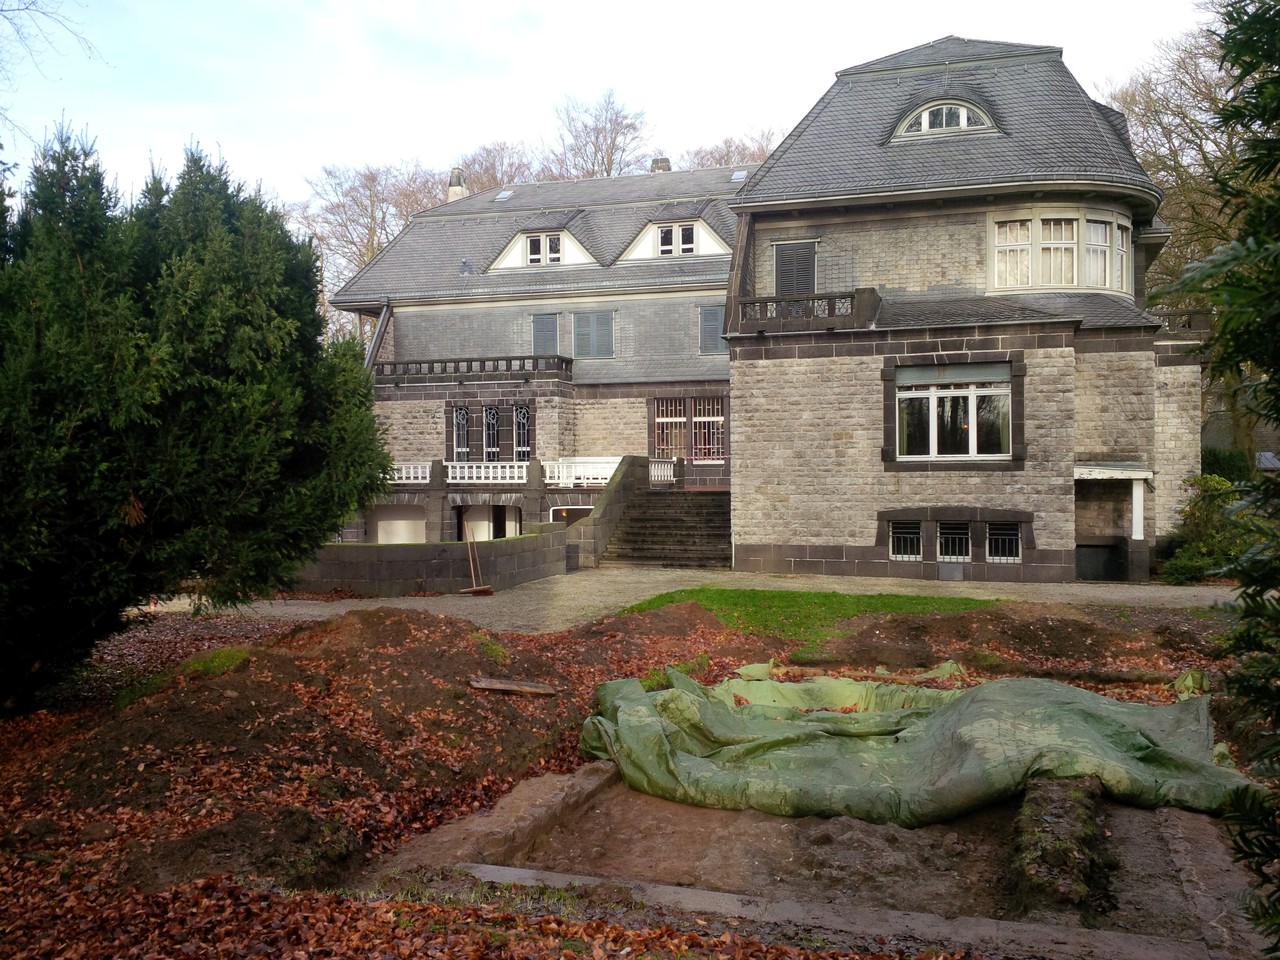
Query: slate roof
(446,251)
(1087,310)
(1047,129)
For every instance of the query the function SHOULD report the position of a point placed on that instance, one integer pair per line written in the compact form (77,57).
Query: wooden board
(514,686)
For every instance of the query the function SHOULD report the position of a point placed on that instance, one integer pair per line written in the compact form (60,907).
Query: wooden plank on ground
(514,686)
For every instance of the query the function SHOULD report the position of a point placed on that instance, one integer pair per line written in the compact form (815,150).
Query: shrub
(1207,540)
(1231,465)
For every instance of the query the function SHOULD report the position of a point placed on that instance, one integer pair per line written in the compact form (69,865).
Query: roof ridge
(910,59)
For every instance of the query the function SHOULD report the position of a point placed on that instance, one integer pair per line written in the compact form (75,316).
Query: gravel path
(558,603)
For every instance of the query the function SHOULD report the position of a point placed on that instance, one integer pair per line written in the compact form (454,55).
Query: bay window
(1053,247)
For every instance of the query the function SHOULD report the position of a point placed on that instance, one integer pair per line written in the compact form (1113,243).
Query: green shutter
(546,335)
(710,328)
(593,333)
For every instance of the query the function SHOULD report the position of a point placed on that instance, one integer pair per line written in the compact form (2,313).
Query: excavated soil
(338,742)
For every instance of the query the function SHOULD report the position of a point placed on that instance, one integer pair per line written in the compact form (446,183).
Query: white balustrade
(580,471)
(661,472)
(481,472)
(411,473)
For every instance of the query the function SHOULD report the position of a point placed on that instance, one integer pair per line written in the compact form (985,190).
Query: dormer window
(675,238)
(542,248)
(939,118)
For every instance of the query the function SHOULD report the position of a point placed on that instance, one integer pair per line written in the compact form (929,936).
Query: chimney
(457,187)
(660,165)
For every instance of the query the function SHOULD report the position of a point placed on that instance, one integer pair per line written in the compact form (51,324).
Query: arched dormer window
(943,118)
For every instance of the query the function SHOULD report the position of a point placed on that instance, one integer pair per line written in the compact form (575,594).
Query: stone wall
(809,482)
(415,429)
(1115,406)
(1177,440)
(611,427)
(935,254)
(393,570)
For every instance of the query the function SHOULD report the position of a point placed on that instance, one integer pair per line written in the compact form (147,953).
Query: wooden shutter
(546,338)
(711,326)
(795,268)
(593,334)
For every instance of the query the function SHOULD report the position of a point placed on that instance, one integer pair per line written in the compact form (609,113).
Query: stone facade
(1177,441)
(611,427)
(924,253)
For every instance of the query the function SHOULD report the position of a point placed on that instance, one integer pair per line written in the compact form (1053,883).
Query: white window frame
(544,242)
(1062,251)
(921,121)
(906,540)
(951,534)
(670,428)
(1004,541)
(707,433)
(956,382)
(677,244)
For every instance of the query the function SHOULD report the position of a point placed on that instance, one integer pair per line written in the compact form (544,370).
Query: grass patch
(656,679)
(215,663)
(141,689)
(806,617)
(490,648)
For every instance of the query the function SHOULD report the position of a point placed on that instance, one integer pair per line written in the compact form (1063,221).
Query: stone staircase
(673,528)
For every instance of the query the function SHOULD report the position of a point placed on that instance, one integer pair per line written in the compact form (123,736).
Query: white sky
(281,88)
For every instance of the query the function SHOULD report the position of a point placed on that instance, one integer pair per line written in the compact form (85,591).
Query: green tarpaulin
(907,755)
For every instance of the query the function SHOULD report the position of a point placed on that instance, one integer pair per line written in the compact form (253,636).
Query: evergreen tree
(1242,280)
(170,414)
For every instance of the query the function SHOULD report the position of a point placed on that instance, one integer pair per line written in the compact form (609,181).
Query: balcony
(806,313)
(474,370)
(567,472)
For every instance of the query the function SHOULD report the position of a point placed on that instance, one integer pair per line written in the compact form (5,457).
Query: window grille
(669,424)
(953,541)
(1004,542)
(492,442)
(708,428)
(461,424)
(520,416)
(905,541)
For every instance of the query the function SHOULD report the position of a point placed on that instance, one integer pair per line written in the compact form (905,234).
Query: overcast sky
(281,88)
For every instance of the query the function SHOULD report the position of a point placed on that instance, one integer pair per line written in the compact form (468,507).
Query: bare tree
(601,139)
(1172,108)
(731,151)
(29,28)
(496,164)
(354,213)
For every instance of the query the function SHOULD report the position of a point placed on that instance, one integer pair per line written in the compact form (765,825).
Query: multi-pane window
(905,541)
(1122,258)
(1004,542)
(1058,252)
(669,428)
(940,117)
(492,436)
(953,541)
(1013,253)
(542,248)
(692,427)
(593,334)
(461,425)
(708,428)
(520,419)
(546,334)
(1097,253)
(710,328)
(675,238)
(954,412)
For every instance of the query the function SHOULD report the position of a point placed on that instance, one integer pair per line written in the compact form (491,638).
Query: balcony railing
(580,471)
(662,473)
(411,473)
(497,472)
(487,369)
(808,312)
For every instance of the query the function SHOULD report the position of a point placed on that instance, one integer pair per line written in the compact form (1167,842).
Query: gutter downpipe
(379,332)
